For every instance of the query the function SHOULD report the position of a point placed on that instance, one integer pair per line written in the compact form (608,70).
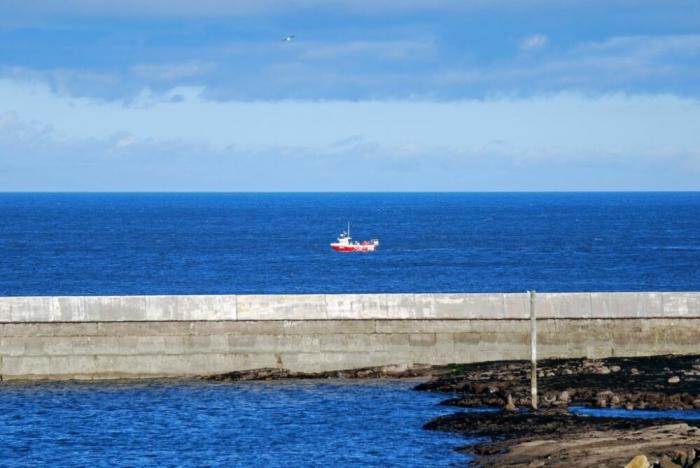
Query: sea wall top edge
(539,293)
(380,306)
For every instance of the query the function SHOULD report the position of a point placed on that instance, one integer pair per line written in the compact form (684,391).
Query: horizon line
(262,192)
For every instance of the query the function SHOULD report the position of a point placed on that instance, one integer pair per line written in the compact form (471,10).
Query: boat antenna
(349,229)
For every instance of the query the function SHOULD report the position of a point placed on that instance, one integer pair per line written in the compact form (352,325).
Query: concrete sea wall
(96,337)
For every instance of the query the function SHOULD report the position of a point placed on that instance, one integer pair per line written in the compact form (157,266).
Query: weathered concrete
(346,307)
(156,336)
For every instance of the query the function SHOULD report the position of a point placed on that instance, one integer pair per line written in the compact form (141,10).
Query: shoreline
(552,436)
(649,382)
(512,435)
(375,372)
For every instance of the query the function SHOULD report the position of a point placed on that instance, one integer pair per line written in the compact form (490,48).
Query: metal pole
(533,351)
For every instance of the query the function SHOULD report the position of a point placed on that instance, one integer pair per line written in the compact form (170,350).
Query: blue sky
(370,95)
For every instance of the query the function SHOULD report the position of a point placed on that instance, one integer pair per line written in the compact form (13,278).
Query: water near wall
(156,336)
(249,424)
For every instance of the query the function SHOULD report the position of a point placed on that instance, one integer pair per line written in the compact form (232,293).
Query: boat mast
(349,230)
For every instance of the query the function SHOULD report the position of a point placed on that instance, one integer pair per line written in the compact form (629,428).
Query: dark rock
(648,388)
(666,462)
(684,457)
(364,373)
(640,382)
(529,424)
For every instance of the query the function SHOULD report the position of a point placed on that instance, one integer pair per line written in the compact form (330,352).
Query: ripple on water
(689,415)
(244,424)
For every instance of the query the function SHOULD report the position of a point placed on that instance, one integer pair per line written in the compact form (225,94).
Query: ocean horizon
(124,243)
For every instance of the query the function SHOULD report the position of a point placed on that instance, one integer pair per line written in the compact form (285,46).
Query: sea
(251,424)
(275,243)
(213,243)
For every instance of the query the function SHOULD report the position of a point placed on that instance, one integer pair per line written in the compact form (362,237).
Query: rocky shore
(558,438)
(383,372)
(553,436)
(656,382)
(513,435)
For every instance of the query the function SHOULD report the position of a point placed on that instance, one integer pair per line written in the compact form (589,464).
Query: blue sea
(74,244)
(256,424)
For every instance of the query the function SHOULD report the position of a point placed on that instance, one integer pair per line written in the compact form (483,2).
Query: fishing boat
(345,244)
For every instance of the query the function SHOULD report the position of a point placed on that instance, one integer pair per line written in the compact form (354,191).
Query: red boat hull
(353,248)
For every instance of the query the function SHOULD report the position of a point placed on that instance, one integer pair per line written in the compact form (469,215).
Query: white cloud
(371,69)
(125,141)
(62,80)
(536,41)
(564,126)
(648,63)
(171,71)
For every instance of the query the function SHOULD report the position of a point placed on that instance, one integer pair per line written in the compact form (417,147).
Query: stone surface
(563,305)
(489,306)
(510,406)
(282,307)
(84,336)
(640,461)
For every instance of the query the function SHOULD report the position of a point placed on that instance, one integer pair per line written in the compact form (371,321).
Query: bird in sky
(289,38)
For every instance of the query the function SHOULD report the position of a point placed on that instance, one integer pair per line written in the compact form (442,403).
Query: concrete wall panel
(626,305)
(322,327)
(283,307)
(563,305)
(401,306)
(144,328)
(206,307)
(114,308)
(681,304)
(140,336)
(516,306)
(459,306)
(511,306)
(69,309)
(355,306)
(113,350)
(23,309)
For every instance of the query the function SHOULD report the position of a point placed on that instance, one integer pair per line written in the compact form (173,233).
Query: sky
(368,95)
